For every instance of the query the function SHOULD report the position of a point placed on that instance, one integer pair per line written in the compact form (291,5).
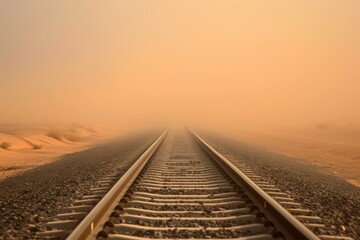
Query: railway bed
(182,188)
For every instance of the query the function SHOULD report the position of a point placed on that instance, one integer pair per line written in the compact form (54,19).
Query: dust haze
(214,64)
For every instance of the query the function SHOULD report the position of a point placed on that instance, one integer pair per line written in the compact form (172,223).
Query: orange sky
(227,62)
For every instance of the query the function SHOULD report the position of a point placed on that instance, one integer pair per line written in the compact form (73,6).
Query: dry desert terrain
(25,147)
(336,149)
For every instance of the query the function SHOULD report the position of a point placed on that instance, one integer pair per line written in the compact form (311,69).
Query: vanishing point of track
(182,188)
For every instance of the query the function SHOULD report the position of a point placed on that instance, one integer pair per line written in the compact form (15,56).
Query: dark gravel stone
(102,234)
(329,197)
(27,201)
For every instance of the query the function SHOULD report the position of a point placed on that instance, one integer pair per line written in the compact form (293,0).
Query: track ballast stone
(333,199)
(181,193)
(28,200)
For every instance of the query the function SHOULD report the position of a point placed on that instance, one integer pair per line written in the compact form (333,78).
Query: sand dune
(10,142)
(25,147)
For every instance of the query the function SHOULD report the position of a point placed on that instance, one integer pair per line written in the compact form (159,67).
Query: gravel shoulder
(330,197)
(30,199)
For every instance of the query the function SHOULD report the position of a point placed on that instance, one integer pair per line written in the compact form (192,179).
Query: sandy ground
(23,148)
(335,149)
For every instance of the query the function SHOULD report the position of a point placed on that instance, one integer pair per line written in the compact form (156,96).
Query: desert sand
(25,147)
(336,149)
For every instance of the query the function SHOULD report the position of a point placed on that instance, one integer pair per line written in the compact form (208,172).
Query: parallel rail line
(182,188)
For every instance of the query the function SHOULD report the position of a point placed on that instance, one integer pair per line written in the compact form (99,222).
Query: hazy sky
(232,62)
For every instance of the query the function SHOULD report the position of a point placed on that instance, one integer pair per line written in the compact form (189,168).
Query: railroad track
(181,188)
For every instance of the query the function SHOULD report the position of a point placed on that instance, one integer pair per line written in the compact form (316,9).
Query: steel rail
(90,225)
(286,223)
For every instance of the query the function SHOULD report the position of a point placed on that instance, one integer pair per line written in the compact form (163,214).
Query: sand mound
(23,147)
(15,137)
(73,134)
(10,142)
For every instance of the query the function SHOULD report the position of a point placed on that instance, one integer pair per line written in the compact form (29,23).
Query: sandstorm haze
(87,88)
(211,63)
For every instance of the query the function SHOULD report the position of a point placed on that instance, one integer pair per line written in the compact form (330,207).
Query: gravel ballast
(29,200)
(333,199)
(159,190)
